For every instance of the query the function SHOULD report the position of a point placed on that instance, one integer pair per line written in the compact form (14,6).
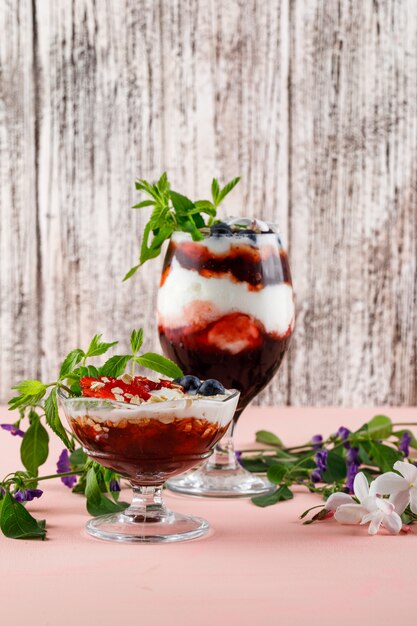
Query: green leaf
(78,457)
(53,419)
(30,387)
(336,468)
(276,473)
(380,427)
(97,347)
(136,340)
(73,358)
(384,456)
(181,204)
(254,464)
(115,366)
(264,436)
(205,206)
(92,489)
(143,204)
(215,190)
(17,523)
(35,446)
(105,506)
(281,494)
(131,272)
(227,189)
(160,364)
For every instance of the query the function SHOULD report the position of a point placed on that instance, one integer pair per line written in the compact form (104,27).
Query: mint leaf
(53,419)
(143,204)
(77,458)
(30,387)
(35,446)
(70,361)
(115,366)
(205,206)
(181,204)
(97,347)
(131,272)
(17,523)
(215,191)
(159,364)
(264,436)
(227,189)
(136,340)
(281,494)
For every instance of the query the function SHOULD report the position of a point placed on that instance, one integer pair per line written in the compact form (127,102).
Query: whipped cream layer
(188,299)
(213,409)
(222,245)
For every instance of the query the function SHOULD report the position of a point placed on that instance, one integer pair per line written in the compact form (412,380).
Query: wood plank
(20,272)
(353,201)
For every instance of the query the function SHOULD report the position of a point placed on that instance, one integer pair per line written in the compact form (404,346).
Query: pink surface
(257,565)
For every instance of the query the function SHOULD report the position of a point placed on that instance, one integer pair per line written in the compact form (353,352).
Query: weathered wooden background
(312,102)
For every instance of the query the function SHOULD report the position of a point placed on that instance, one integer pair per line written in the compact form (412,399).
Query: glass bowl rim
(153,406)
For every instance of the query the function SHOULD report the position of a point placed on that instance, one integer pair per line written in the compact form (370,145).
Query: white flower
(402,489)
(371,509)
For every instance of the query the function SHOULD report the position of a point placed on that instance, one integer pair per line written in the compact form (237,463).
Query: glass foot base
(132,529)
(221,483)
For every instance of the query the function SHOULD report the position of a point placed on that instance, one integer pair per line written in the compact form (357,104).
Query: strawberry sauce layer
(234,349)
(148,451)
(258,267)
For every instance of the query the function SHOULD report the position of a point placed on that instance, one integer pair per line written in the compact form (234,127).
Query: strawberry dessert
(225,304)
(150,428)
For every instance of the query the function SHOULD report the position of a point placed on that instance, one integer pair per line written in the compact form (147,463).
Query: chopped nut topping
(119,398)
(96,384)
(117,390)
(126,378)
(135,400)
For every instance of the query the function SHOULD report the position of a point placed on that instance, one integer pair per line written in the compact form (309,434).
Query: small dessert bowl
(147,444)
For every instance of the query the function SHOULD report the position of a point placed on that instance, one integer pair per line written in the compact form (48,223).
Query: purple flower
(238,456)
(62,466)
(352,456)
(27,495)
(352,470)
(317,441)
(316,475)
(405,441)
(343,433)
(114,485)
(320,459)
(13,430)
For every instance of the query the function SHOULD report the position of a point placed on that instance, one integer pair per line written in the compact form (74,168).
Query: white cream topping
(213,410)
(222,245)
(187,298)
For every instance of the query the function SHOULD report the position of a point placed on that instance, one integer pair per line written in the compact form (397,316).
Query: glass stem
(223,457)
(147,505)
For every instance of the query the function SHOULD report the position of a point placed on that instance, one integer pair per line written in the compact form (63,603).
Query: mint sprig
(40,410)
(172,211)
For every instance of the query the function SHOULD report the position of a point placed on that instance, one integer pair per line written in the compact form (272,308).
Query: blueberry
(190,383)
(247,232)
(221,230)
(211,387)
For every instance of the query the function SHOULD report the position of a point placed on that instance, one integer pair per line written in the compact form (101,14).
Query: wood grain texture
(313,103)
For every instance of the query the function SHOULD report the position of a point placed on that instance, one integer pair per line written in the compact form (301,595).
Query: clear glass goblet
(226,311)
(148,444)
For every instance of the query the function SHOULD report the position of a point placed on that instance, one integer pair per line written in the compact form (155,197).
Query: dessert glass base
(147,520)
(221,476)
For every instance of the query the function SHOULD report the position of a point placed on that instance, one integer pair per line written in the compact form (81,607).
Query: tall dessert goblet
(146,444)
(226,311)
